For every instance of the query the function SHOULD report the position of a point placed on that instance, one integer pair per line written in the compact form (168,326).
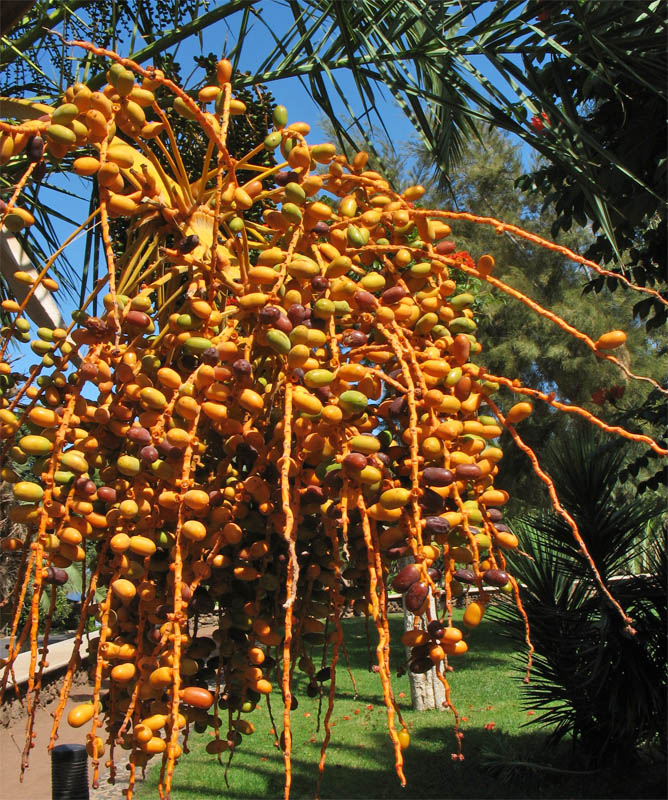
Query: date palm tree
(452,67)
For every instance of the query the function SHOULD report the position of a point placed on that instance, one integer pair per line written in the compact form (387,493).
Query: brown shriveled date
(467,472)
(55,576)
(432,502)
(137,319)
(355,461)
(436,525)
(394,295)
(495,577)
(421,666)
(465,576)
(398,552)
(365,300)
(434,574)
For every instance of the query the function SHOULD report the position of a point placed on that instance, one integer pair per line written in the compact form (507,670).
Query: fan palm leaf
(591,680)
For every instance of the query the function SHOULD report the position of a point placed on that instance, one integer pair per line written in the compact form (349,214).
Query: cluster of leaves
(592,679)
(65,616)
(433,57)
(607,80)
(646,469)
(10,561)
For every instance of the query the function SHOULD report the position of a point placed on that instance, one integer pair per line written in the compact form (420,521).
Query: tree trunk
(12,13)
(427,692)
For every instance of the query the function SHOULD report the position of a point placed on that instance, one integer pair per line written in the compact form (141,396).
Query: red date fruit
(406,578)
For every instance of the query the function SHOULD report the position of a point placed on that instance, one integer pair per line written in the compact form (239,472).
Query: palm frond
(584,662)
(437,61)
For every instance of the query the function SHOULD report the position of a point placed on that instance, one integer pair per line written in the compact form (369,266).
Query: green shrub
(593,680)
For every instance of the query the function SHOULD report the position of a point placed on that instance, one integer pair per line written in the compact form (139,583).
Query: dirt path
(36,783)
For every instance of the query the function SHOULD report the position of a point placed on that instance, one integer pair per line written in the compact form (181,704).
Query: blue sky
(291,92)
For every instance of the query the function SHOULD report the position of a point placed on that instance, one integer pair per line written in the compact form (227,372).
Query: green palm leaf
(436,60)
(584,663)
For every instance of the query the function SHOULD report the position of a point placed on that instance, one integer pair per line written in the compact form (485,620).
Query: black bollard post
(69,772)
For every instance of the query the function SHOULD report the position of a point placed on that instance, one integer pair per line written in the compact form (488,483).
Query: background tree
(597,83)
(519,343)
(11,561)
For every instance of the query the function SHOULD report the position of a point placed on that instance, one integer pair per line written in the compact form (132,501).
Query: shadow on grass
(356,772)
(360,759)
(489,650)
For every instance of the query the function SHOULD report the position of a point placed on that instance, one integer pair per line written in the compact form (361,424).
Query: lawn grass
(486,689)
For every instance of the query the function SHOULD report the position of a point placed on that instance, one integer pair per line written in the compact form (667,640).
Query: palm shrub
(593,681)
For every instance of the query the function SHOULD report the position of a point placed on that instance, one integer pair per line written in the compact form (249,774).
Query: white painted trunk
(42,308)
(427,692)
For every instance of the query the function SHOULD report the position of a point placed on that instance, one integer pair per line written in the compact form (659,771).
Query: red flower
(544,11)
(536,123)
(490,726)
(464,258)
(539,123)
